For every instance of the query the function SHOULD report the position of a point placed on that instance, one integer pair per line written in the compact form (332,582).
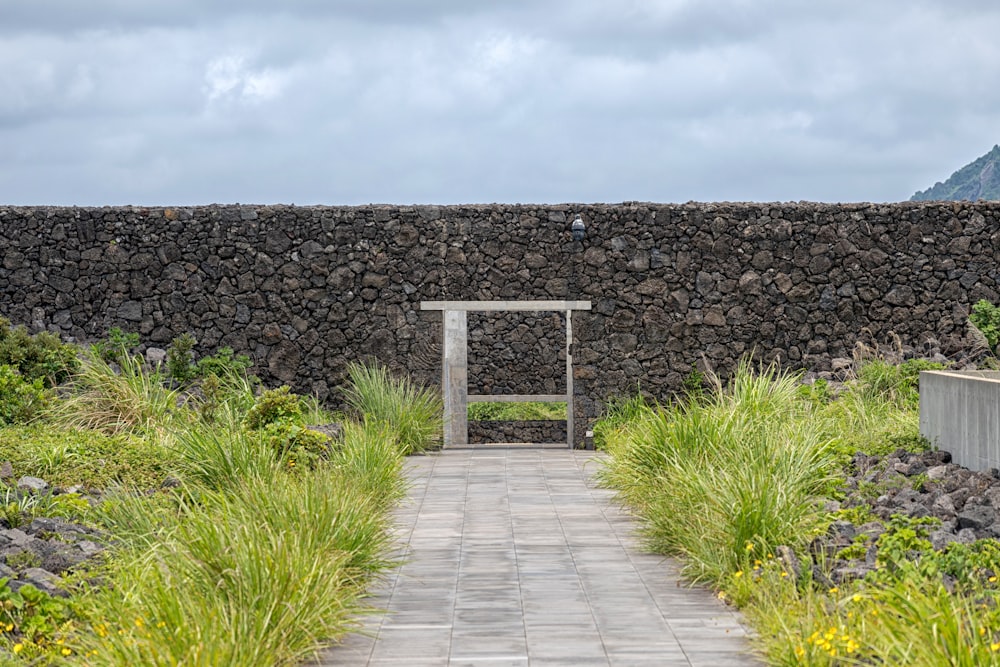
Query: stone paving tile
(513,557)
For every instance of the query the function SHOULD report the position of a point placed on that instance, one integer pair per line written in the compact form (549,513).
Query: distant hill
(978,180)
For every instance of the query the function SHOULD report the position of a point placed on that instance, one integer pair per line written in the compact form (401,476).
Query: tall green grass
(129,399)
(413,413)
(264,574)
(619,414)
(224,455)
(722,479)
(251,561)
(370,454)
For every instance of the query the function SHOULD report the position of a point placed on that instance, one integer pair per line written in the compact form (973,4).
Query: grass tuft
(413,414)
(128,399)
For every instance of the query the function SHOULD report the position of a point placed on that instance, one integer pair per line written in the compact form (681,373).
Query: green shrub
(986,317)
(295,445)
(42,356)
(224,363)
(183,368)
(227,397)
(21,400)
(693,385)
(117,345)
(274,406)
(180,358)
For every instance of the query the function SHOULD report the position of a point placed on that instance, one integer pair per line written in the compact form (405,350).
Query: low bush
(180,358)
(21,400)
(117,346)
(94,460)
(986,317)
(41,356)
(274,406)
(294,445)
(183,367)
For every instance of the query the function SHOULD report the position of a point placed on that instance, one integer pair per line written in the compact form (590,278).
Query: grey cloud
(451,101)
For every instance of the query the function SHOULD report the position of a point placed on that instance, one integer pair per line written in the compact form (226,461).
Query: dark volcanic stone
(977,517)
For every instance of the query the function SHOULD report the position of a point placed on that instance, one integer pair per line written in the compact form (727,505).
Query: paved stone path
(513,557)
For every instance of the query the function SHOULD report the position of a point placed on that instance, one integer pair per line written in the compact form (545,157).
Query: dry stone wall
(547,431)
(304,290)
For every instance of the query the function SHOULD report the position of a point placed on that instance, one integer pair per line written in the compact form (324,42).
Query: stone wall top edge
(567,206)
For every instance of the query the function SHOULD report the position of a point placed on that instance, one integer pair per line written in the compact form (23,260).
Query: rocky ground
(915,485)
(41,549)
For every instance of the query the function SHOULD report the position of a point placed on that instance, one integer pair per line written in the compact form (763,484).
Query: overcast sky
(159,102)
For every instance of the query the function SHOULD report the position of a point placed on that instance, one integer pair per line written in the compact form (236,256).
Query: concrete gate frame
(455,362)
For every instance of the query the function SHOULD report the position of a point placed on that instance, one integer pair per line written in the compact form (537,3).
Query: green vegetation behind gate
(728,481)
(527,411)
